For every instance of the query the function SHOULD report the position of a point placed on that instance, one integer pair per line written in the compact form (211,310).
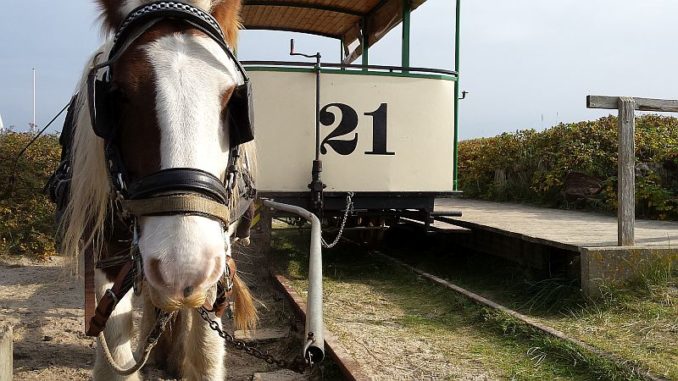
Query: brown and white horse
(173,84)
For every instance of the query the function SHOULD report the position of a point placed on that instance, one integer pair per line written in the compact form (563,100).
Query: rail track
(529,322)
(353,369)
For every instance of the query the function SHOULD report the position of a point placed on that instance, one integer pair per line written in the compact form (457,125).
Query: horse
(153,121)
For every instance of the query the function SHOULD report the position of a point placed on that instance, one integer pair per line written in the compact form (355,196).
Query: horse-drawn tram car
(383,138)
(149,178)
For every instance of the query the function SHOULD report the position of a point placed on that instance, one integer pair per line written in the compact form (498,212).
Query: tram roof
(340,19)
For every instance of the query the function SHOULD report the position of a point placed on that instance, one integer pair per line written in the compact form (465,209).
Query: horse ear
(111,12)
(227,13)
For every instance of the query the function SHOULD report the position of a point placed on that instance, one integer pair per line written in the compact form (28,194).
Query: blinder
(241,114)
(102,105)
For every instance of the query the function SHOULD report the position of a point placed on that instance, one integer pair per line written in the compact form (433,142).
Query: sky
(525,63)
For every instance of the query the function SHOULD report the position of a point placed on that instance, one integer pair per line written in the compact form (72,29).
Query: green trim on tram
(351,72)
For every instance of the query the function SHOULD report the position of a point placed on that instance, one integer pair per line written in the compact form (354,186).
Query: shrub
(530,166)
(26,215)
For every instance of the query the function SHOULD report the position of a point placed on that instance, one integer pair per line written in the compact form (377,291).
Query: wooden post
(262,230)
(626,189)
(626,164)
(6,352)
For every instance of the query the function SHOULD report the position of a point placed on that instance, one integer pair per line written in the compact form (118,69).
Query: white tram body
(380,132)
(386,135)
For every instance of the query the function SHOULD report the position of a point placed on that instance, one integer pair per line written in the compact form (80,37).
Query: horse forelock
(226,12)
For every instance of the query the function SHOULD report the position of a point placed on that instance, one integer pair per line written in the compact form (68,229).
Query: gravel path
(44,304)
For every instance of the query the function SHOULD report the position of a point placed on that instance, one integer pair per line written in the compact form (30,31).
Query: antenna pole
(33,125)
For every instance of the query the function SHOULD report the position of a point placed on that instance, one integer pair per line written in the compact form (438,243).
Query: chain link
(349,209)
(298,365)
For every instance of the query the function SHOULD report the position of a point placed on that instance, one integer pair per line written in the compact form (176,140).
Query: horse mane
(89,200)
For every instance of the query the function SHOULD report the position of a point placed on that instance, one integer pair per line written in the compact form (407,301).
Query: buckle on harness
(113,297)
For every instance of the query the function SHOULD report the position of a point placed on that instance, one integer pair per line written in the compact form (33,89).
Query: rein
(151,341)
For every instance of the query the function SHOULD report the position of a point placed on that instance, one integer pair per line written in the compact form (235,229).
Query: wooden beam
(302,5)
(642,104)
(626,162)
(6,353)
(626,188)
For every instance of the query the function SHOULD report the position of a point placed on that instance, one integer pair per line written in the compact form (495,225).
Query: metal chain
(349,209)
(298,365)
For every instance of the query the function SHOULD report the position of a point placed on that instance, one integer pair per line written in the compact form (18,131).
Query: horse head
(169,88)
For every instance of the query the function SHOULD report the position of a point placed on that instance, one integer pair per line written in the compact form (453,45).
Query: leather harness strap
(178,204)
(123,283)
(95,319)
(224,290)
(90,298)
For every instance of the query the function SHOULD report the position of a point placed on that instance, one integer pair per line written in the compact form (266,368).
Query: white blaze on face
(192,74)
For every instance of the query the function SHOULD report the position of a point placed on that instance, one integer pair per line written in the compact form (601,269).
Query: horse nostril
(188,291)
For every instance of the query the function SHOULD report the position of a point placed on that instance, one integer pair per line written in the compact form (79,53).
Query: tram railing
(381,68)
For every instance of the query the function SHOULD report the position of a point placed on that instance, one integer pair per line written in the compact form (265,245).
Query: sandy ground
(44,305)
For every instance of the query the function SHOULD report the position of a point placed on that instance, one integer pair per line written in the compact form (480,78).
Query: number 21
(348,124)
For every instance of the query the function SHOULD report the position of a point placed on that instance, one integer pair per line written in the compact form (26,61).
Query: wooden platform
(586,242)
(565,229)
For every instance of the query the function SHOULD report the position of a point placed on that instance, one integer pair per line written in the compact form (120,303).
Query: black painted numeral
(348,123)
(379,132)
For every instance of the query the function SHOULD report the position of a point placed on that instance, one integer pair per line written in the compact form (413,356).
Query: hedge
(27,224)
(531,167)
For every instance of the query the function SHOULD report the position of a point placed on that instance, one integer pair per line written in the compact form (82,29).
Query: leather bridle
(175,191)
(178,190)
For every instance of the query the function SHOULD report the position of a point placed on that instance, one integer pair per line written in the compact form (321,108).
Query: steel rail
(349,367)
(624,364)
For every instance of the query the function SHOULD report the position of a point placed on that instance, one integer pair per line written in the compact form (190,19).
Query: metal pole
(33,125)
(626,212)
(456,95)
(315,331)
(316,186)
(341,53)
(366,44)
(318,69)
(407,10)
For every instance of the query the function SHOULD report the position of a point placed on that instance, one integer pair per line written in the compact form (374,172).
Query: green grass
(638,323)
(362,291)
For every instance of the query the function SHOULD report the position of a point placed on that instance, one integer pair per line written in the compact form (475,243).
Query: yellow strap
(183,203)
